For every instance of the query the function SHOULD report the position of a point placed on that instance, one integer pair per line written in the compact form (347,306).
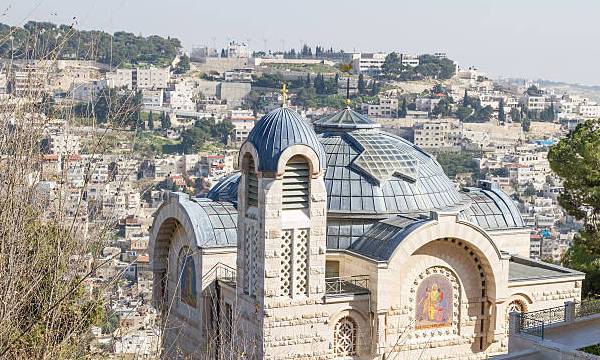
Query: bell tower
(281,236)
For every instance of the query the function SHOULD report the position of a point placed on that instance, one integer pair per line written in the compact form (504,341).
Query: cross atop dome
(284,95)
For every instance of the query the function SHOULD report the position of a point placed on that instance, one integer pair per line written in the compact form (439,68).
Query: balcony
(348,285)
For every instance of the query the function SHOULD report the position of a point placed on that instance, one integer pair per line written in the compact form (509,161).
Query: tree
(320,86)
(391,64)
(526,124)
(403,109)
(183,65)
(529,190)
(501,114)
(443,107)
(515,114)
(361,87)
(465,101)
(150,121)
(165,121)
(575,160)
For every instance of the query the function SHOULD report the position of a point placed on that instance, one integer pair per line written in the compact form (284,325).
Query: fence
(535,322)
(347,285)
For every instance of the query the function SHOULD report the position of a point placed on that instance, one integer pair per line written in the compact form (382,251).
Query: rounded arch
(248,149)
(172,218)
(300,150)
(470,238)
(526,299)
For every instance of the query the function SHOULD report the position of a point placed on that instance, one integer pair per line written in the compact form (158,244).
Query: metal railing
(534,322)
(221,272)
(587,308)
(553,315)
(358,284)
(530,326)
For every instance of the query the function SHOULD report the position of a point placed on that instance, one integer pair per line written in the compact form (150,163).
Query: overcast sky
(549,39)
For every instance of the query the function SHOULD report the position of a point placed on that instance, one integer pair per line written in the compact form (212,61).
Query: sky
(535,39)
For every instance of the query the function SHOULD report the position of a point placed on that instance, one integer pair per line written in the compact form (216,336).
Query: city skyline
(536,40)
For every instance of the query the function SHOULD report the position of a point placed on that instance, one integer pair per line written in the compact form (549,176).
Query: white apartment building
(444,133)
(589,111)
(181,98)
(534,103)
(120,78)
(409,60)
(64,144)
(152,99)
(29,79)
(387,107)
(243,122)
(368,62)
(150,78)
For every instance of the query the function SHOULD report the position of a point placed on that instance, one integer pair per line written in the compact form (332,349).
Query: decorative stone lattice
(442,331)
(247,265)
(345,337)
(250,266)
(293,271)
(285,277)
(301,260)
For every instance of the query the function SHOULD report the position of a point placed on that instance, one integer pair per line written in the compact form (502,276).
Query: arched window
(345,337)
(187,280)
(251,183)
(296,184)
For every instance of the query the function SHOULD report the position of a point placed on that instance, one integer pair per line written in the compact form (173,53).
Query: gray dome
(226,189)
(377,173)
(278,130)
(491,208)
(347,119)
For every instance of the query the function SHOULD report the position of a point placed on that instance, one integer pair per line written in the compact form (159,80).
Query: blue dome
(278,130)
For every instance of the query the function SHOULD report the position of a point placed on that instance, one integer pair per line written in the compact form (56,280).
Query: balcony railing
(220,272)
(356,285)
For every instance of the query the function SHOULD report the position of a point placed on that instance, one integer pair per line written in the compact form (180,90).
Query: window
(187,280)
(296,185)
(345,337)
(251,183)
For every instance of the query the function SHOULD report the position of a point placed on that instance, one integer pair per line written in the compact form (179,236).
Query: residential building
(150,78)
(438,134)
(387,107)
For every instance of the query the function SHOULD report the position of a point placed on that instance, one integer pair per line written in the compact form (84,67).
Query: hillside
(44,40)
(589,91)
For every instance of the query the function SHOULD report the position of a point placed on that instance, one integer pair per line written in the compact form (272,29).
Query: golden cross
(284,92)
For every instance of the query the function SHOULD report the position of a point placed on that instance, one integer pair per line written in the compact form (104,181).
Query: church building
(338,240)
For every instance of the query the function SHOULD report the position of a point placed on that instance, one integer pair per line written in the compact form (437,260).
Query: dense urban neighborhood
(127,122)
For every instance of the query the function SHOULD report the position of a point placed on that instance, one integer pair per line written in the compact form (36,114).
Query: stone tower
(281,239)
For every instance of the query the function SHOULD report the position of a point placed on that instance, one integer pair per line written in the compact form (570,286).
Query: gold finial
(284,97)
(348,102)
